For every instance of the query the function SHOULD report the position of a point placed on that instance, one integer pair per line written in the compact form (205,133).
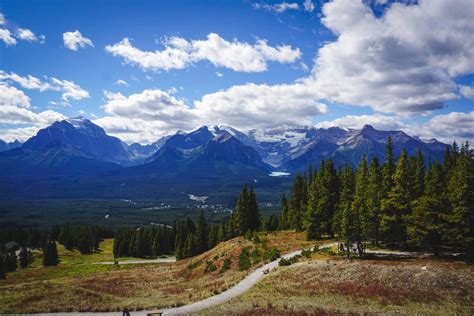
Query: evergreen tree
(388,168)
(426,224)
(312,219)
(25,257)
(461,197)
(213,240)
(419,175)
(374,194)
(397,204)
(242,211)
(296,203)
(3,266)
(221,232)
(50,254)
(347,229)
(284,213)
(360,207)
(253,211)
(202,234)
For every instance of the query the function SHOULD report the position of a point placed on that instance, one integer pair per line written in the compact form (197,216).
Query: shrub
(193,265)
(244,260)
(271,254)
(256,256)
(256,239)
(306,253)
(210,267)
(288,262)
(225,265)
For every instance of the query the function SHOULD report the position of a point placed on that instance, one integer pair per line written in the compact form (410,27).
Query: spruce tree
(419,175)
(360,207)
(374,193)
(253,211)
(347,219)
(24,258)
(221,233)
(242,211)
(426,224)
(3,266)
(50,254)
(388,167)
(213,240)
(312,219)
(284,212)
(296,205)
(461,197)
(202,234)
(397,205)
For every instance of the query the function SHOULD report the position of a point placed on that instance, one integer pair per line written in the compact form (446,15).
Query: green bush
(288,262)
(210,267)
(271,254)
(244,260)
(225,265)
(256,256)
(306,253)
(193,265)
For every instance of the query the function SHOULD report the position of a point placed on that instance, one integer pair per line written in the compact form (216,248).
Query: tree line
(403,203)
(86,239)
(143,242)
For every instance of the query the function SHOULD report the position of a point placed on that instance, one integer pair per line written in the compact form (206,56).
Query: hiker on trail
(126,312)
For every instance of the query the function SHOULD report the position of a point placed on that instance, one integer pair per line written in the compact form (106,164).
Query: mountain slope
(81,133)
(4,146)
(349,147)
(55,158)
(202,153)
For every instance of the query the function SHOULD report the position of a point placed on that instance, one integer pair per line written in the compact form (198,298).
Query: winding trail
(241,287)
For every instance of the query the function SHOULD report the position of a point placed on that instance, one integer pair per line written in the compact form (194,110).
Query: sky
(145,69)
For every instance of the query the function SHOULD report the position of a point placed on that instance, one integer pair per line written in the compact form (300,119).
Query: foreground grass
(334,286)
(77,284)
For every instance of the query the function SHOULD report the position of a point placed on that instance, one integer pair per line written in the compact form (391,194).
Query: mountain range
(78,146)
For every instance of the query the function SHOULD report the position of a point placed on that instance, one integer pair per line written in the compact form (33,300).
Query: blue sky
(311,66)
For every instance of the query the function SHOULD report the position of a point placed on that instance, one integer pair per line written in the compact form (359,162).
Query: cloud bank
(180,53)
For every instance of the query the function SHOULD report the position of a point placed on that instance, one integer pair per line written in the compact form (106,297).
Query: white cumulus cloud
(404,61)
(179,53)
(24,34)
(11,96)
(378,121)
(121,82)
(308,5)
(7,37)
(278,7)
(251,105)
(75,40)
(467,91)
(28,35)
(68,89)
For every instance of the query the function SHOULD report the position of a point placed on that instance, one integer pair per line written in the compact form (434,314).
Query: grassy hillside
(77,284)
(332,286)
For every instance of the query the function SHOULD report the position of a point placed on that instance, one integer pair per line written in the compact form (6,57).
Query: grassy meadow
(77,284)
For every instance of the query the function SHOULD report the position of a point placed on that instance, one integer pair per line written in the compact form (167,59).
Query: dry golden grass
(333,286)
(78,285)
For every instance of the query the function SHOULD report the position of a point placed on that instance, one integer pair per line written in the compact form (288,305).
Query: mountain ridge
(223,149)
